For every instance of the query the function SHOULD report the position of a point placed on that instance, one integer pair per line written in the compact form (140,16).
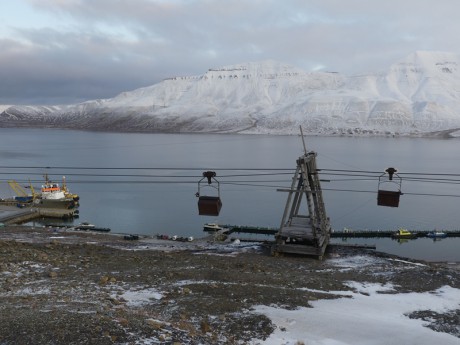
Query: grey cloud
(153,40)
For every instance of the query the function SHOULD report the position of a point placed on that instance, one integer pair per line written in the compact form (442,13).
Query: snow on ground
(367,314)
(136,296)
(357,261)
(368,318)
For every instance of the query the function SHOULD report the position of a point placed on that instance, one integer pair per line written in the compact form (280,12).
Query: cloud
(98,48)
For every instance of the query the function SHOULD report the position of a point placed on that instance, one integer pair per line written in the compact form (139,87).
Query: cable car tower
(304,230)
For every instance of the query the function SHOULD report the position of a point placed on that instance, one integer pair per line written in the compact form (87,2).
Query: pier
(346,233)
(250,229)
(13,215)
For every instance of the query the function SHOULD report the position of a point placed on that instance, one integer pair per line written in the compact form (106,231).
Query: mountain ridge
(417,95)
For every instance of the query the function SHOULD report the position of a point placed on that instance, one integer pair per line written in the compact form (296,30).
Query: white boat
(436,234)
(51,190)
(53,196)
(212,227)
(85,226)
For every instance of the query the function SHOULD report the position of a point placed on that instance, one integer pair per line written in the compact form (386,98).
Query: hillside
(419,94)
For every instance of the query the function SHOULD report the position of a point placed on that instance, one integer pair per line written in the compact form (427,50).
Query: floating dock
(250,229)
(347,233)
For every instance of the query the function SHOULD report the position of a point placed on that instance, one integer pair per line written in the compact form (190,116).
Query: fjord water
(146,183)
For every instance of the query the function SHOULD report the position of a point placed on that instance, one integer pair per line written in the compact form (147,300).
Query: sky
(70,51)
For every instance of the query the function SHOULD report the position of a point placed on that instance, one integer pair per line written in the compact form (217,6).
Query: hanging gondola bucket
(209,205)
(389,198)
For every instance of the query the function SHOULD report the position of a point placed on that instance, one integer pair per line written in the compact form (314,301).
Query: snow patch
(31,291)
(369,318)
(139,297)
(357,261)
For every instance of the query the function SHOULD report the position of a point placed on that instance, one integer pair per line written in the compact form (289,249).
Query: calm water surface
(146,183)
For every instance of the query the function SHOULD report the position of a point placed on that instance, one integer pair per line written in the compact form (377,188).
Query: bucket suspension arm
(210,176)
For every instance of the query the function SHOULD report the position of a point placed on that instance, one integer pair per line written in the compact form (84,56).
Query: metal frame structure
(307,230)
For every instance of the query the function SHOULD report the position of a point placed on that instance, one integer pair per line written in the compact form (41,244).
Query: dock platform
(385,233)
(346,233)
(14,215)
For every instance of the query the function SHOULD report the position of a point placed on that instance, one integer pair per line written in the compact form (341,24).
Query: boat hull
(436,235)
(211,227)
(404,234)
(55,203)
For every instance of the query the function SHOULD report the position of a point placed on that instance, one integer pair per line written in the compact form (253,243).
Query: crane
(21,194)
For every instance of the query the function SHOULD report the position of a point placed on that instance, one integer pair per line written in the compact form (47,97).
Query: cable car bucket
(392,184)
(209,205)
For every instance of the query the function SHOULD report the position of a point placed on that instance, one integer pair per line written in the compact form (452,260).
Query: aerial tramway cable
(255,177)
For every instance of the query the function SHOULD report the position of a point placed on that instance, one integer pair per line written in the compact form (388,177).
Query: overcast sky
(68,51)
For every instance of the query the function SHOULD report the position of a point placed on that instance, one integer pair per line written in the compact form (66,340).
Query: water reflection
(164,201)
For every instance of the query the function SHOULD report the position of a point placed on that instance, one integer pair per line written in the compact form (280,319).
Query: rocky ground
(63,287)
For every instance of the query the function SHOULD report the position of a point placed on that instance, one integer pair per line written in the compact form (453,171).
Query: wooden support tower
(304,230)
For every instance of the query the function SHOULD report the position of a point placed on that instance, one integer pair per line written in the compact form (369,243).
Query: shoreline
(81,287)
(152,242)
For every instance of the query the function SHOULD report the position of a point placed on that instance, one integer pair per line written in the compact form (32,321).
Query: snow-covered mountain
(419,94)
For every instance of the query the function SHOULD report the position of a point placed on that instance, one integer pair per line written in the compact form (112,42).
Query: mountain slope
(420,93)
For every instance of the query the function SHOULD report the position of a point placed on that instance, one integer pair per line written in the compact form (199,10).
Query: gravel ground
(63,287)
